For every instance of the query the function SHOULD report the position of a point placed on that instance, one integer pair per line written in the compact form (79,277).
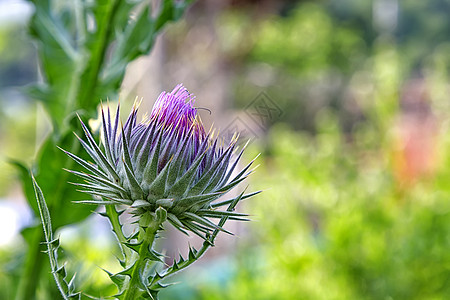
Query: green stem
(147,237)
(32,268)
(86,88)
(113,217)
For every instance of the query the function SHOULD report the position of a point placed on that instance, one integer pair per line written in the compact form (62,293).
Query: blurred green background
(347,102)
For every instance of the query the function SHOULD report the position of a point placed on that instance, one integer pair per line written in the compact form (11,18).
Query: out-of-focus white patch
(15,11)
(14,215)
(95,228)
(9,223)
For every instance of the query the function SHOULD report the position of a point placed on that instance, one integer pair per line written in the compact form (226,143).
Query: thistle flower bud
(165,163)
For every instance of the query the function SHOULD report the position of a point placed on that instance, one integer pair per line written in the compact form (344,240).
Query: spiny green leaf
(97,152)
(161,215)
(176,223)
(192,253)
(238,178)
(200,199)
(121,281)
(59,272)
(134,246)
(157,188)
(238,158)
(96,202)
(219,214)
(141,203)
(43,209)
(142,150)
(95,179)
(166,203)
(196,229)
(92,168)
(106,138)
(226,202)
(183,183)
(155,256)
(151,169)
(205,222)
(220,172)
(136,190)
(127,271)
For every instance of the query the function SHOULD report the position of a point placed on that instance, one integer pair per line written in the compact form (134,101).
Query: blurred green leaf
(60,61)
(55,183)
(27,186)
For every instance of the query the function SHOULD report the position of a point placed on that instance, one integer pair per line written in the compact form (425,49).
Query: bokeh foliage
(345,213)
(334,226)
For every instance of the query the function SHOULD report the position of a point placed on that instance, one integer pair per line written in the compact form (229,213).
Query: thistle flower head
(165,161)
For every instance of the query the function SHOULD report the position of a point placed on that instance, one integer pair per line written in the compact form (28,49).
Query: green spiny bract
(167,160)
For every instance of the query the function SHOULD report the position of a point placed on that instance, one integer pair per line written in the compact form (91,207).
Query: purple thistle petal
(176,109)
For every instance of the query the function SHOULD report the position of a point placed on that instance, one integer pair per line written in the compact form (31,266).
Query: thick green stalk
(33,265)
(147,237)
